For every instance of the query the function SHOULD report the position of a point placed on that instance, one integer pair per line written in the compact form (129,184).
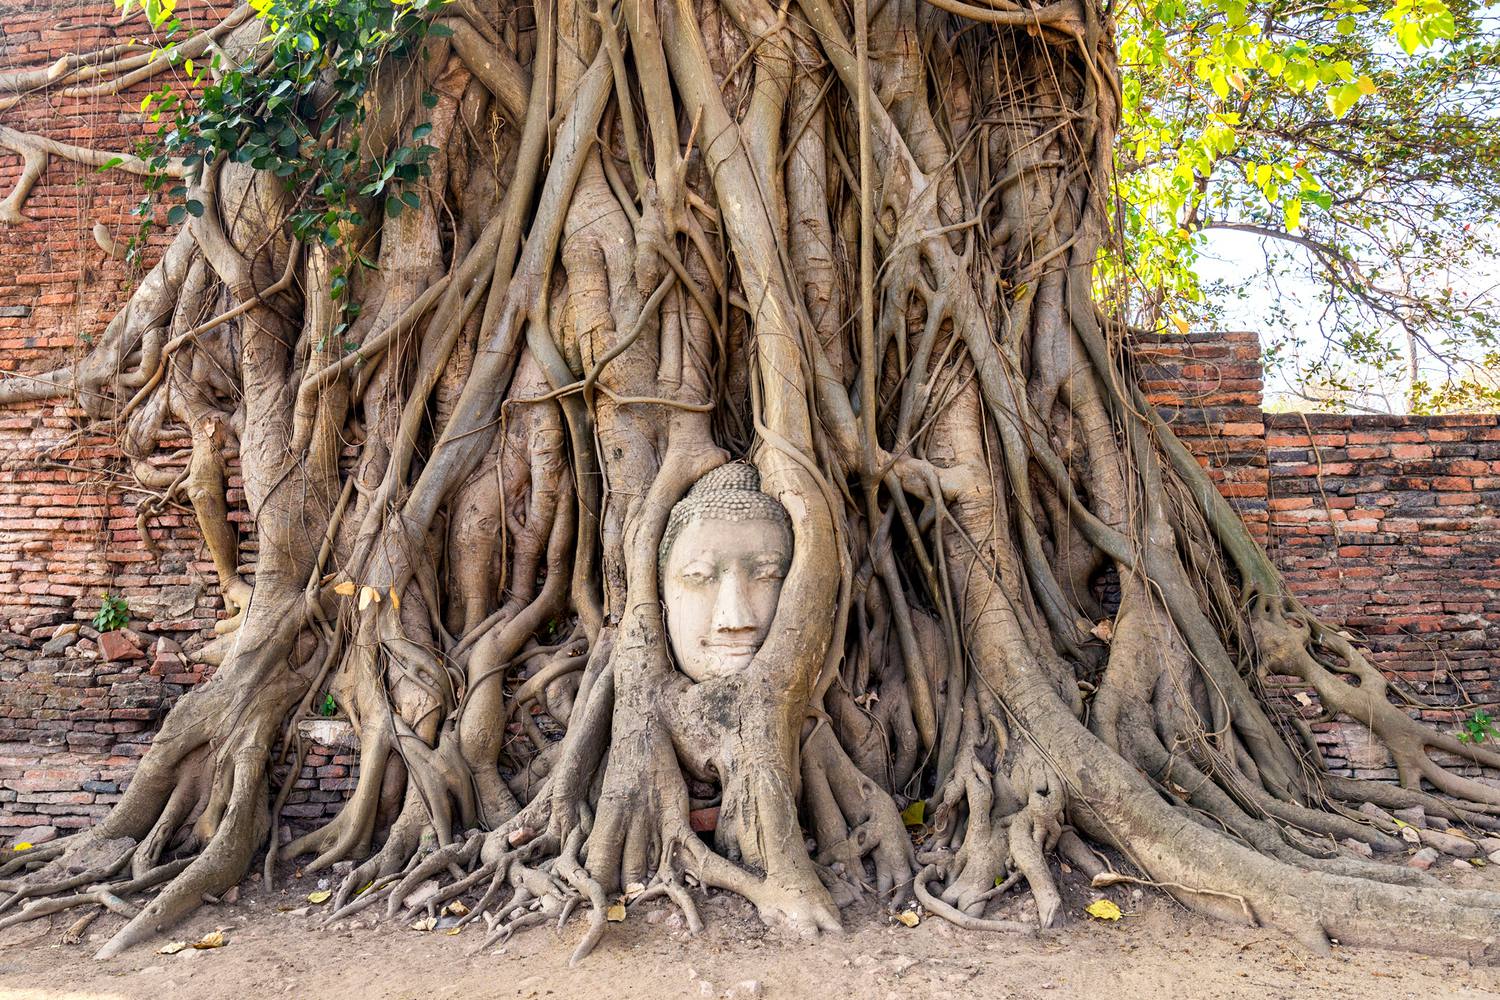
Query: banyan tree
(649,408)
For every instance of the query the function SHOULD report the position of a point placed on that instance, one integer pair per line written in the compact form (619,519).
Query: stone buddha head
(722,560)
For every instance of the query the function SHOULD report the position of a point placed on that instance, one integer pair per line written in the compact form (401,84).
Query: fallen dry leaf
(321,896)
(615,913)
(1103,909)
(908,918)
(173,948)
(213,939)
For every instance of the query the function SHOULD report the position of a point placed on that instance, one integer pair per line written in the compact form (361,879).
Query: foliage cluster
(1358,142)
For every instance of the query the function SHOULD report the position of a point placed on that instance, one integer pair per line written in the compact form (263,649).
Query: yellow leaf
(24,845)
(367,887)
(173,948)
(912,815)
(1293,213)
(424,925)
(216,939)
(321,896)
(908,918)
(395,601)
(456,908)
(345,589)
(1181,324)
(615,913)
(1103,909)
(366,595)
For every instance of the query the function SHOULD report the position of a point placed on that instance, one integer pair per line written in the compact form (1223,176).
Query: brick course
(1386,525)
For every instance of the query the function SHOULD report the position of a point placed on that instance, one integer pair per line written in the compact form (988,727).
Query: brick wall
(73,721)
(1391,527)
(1207,386)
(1386,525)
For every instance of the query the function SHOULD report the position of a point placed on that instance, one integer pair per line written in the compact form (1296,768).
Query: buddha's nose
(732,611)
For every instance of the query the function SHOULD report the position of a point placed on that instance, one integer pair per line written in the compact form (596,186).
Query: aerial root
(108,896)
(956,916)
(36,856)
(95,861)
(453,857)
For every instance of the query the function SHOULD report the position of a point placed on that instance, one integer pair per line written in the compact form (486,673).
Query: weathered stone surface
(1424,859)
(119,646)
(33,835)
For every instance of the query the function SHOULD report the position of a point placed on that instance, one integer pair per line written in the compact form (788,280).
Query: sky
(1289,308)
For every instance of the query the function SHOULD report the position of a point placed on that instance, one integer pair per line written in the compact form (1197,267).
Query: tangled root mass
(855,245)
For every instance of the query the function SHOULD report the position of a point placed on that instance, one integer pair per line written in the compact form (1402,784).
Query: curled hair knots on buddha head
(729,493)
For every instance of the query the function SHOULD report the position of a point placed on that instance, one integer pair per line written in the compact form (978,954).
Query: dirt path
(1156,953)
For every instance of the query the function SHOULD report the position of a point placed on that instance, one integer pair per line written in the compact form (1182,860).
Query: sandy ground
(1156,952)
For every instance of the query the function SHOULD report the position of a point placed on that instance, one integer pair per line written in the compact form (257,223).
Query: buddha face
(721,582)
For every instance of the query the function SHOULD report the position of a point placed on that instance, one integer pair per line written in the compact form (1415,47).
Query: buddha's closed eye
(770,570)
(699,572)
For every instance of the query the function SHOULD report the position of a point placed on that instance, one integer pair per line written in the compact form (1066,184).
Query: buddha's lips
(732,648)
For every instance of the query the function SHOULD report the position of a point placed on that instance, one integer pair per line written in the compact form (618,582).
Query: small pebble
(1423,859)
(902,963)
